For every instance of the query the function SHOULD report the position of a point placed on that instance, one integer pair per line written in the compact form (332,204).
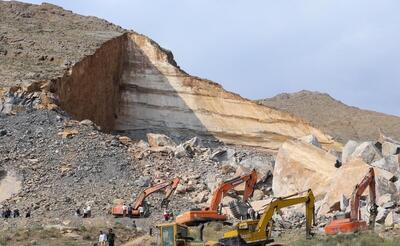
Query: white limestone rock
(311,139)
(348,149)
(389,163)
(367,152)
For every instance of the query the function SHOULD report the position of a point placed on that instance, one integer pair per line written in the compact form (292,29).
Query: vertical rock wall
(90,90)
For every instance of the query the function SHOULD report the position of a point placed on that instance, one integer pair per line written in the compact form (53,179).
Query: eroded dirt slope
(334,117)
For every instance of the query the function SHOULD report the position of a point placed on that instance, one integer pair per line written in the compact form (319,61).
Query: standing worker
(130,210)
(124,209)
(141,211)
(102,238)
(110,237)
(88,211)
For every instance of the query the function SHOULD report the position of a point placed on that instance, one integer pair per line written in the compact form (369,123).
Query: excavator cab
(174,234)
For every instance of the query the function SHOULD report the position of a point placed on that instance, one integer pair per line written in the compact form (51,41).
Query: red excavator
(139,208)
(211,213)
(354,223)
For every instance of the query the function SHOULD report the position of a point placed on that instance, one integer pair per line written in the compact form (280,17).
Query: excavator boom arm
(172,184)
(367,181)
(250,179)
(279,203)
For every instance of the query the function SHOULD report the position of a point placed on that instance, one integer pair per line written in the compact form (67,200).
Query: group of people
(8,213)
(86,213)
(107,238)
(127,210)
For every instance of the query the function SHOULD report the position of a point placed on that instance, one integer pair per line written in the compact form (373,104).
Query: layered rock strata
(132,85)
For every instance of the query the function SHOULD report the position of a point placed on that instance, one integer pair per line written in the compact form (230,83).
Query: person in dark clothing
(130,210)
(8,213)
(16,213)
(338,163)
(28,214)
(110,237)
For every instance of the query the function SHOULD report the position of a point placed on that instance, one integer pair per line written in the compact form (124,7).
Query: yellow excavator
(258,232)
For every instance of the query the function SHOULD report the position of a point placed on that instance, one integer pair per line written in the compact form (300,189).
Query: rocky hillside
(127,83)
(334,117)
(40,42)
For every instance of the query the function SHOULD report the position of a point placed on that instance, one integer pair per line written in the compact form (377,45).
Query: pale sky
(259,48)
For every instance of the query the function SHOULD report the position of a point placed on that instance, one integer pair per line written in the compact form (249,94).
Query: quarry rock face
(132,85)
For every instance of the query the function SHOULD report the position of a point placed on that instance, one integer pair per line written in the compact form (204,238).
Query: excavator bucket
(345,226)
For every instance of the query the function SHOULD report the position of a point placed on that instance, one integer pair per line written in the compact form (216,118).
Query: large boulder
(187,148)
(389,148)
(300,166)
(143,181)
(348,149)
(311,139)
(389,163)
(258,195)
(367,152)
(159,140)
(263,165)
(223,155)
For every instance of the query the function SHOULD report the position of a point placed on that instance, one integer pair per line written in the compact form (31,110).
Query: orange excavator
(354,223)
(138,208)
(211,213)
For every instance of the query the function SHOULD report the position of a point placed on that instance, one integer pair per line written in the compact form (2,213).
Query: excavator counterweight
(169,187)
(211,213)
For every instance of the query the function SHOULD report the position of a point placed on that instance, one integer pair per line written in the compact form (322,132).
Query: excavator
(211,213)
(354,223)
(258,232)
(169,186)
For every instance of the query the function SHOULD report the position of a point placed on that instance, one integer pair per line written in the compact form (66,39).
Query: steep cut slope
(130,84)
(141,89)
(334,117)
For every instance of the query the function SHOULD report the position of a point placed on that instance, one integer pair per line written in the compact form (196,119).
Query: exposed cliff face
(132,85)
(90,90)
